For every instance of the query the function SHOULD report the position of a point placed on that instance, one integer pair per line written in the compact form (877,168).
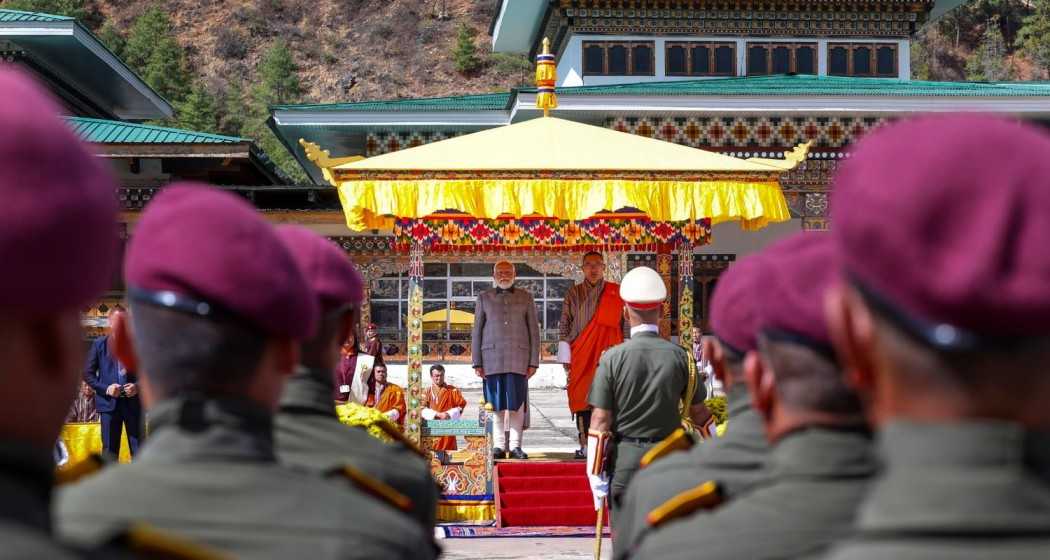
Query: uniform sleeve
(475,335)
(601,394)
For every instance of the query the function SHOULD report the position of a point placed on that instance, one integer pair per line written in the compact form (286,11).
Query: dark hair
(809,380)
(438,367)
(592,253)
(313,350)
(184,353)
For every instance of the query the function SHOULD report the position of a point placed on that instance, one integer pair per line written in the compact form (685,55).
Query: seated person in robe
(442,402)
(387,397)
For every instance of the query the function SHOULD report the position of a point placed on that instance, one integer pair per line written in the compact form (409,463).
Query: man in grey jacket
(506,348)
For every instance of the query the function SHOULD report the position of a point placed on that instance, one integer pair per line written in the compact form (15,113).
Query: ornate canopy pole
(685,296)
(664,261)
(415,343)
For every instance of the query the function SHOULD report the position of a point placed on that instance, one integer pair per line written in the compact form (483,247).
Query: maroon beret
(202,250)
(334,280)
(734,311)
(58,215)
(797,272)
(943,221)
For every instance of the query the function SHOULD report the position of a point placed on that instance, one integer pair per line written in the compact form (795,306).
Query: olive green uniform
(641,382)
(209,473)
(308,434)
(973,490)
(734,460)
(817,479)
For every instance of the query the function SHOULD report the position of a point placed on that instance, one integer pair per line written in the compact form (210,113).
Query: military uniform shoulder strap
(375,488)
(145,541)
(85,467)
(704,496)
(679,440)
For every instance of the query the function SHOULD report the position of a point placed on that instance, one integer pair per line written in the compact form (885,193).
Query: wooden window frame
(629,46)
(689,46)
(792,48)
(874,59)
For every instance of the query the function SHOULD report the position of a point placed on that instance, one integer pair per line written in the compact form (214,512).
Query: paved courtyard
(552,428)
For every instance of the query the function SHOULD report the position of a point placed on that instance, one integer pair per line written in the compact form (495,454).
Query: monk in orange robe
(442,402)
(591,322)
(387,397)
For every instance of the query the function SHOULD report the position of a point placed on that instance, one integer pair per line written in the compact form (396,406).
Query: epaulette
(85,467)
(395,434)
(679,440)
(375,488)
(145,541)
(705,496)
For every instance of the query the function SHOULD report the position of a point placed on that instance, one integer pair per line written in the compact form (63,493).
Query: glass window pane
(642,60)
(617,60)
(429,306)
(435,269)
(435,288)
(837,61)
(885,61)
(806,60)
(781,60)
(701,63)
(470,269)
(558,287)
(467,306)
(861,61)
(724,56)
(384,288)
(385,315)
(461,288)
(534,287)
(404,287)
(553,314)
(756,60)
(482,285)
(593,59)
(676,59)
(526,270)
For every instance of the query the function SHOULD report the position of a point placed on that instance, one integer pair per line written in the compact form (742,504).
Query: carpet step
(526,468)
(542,483)
(552,498)
(545,516)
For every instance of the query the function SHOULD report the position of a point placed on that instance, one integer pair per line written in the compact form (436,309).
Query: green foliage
(465,54)
(988,61)
(197,111)
(507,64)
(153,52)
(71,8)
(921,61)
(231,118)
(111,37)
(1034,36)
(717,406)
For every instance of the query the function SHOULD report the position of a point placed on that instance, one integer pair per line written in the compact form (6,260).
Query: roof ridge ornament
(546,77)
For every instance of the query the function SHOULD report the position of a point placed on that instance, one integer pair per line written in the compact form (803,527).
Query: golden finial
(546,77)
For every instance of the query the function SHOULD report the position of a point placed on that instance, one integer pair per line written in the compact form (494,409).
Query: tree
(71,8)
(152,51)
(278,83)
(232,117)
(197,111)
(988,61)
(1034,36)
(111,37)
(465,54)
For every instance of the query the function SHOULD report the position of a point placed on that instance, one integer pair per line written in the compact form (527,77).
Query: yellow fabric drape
(85,438)
(454,510)
(368,204)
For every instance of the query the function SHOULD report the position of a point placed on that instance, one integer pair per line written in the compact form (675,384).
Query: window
(618,58)
(700,59)
(781,58)
(863,59)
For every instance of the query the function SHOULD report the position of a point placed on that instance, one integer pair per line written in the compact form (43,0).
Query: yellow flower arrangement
(353,414)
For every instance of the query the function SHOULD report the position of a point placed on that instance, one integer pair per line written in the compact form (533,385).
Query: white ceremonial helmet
(642,288)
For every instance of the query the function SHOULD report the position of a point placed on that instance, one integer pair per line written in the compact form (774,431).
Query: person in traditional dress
(350,360)
(83,408)
(442,402)
(387,398)
(591,322)
(373,345)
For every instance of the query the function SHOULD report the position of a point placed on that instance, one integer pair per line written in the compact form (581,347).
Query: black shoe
(580,454)
(517,453)
(498,453)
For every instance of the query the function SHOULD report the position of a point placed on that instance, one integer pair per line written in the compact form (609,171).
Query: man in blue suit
(116,395)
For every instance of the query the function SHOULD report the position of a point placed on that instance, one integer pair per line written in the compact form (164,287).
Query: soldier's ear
(852,330)
(759,378)
(716,356)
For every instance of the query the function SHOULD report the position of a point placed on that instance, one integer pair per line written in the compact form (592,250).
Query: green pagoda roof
(100,131)
(17,15)
(479,102)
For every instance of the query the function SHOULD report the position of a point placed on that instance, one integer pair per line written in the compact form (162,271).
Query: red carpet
(533,494)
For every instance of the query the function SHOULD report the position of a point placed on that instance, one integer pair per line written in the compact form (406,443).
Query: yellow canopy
(454,317)
(558,168)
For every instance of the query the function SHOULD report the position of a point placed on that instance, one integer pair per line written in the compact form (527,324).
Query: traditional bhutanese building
(748,79)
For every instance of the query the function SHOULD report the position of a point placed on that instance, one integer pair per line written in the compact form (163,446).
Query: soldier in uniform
(217,309)
(821,457)
(636,392)
(735,460)
(58,242)
(943,320)
(307,431)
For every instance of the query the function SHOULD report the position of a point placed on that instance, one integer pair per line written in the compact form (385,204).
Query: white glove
(564,352)
(599,488)
(428,414)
